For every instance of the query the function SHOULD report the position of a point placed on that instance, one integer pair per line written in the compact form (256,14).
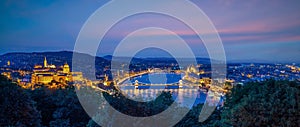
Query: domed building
(66,68)
(49,74)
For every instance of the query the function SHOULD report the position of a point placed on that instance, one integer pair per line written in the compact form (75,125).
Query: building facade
(50,74)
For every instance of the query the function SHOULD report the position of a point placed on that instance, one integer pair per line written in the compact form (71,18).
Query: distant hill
(28,60)
(157,59)
(249,61)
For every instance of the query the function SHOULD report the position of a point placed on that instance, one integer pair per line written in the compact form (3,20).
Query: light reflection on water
(147,94)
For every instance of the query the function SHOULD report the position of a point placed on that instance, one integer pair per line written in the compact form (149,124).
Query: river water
(149,89)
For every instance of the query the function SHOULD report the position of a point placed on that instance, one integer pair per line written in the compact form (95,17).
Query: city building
(50,74)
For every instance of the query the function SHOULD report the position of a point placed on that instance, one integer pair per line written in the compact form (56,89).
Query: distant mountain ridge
(60,57)
(27,61)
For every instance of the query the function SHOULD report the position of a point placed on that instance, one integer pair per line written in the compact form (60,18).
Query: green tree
(17,108)
(270,103)
(60,107)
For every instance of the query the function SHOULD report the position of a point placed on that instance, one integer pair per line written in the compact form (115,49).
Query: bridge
(182,84)
(186,82)
(172,86)
(123,79)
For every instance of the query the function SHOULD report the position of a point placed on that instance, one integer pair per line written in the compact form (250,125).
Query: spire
(8,63)
(45,62)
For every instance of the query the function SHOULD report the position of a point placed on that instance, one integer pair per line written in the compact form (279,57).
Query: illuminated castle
(50,74)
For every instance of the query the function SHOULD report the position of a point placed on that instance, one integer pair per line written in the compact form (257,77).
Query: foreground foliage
(16,106)
(269,103)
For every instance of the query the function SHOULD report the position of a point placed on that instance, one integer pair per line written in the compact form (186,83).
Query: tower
(66,68)
(105,77)
(136,84)
(8,63)
(106,80)
(45,62)
(180,83)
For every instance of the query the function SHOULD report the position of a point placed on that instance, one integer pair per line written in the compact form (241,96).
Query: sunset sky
(257,30)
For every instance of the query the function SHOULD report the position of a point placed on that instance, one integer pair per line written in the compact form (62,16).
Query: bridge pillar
(180,84)
(136,84)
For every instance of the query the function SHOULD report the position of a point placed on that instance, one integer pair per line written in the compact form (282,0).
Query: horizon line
(152,57)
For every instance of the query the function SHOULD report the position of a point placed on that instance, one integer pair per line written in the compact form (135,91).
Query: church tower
(45,63)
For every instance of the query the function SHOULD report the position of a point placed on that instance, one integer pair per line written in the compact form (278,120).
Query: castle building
(50,74)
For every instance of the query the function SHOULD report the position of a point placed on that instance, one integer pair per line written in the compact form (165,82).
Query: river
(147,92)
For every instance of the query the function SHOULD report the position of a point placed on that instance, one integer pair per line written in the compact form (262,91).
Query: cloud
(56,24)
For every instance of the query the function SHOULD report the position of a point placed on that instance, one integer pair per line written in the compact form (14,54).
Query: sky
(254,30)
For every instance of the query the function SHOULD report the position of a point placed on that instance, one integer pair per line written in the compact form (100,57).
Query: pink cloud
(259,26)
(289,38)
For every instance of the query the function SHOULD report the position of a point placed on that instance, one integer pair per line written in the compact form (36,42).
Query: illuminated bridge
(186,83)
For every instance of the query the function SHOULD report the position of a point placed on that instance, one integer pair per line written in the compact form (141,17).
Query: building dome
(66,65)
(66,68)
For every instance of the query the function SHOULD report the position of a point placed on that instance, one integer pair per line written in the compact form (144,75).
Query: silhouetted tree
(270,103)
(60,107)
(17,108)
